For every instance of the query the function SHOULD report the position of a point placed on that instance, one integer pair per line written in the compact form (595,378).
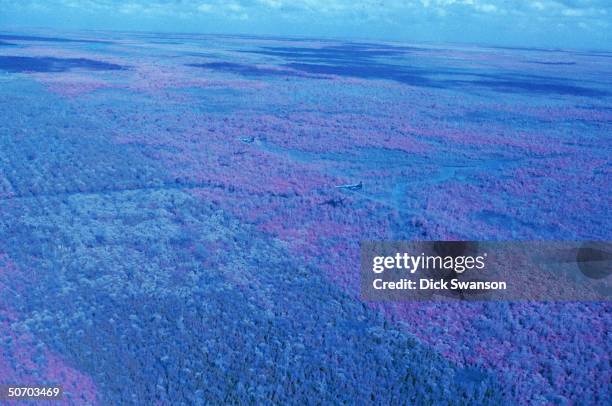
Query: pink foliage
(24,361)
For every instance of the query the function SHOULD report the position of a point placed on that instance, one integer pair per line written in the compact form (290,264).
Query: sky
(582,24)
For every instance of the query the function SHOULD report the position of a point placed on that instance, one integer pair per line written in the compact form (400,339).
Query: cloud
(436,19)
(338,7)
(205,8)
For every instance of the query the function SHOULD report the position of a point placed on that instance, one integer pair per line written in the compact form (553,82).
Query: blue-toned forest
(172,230)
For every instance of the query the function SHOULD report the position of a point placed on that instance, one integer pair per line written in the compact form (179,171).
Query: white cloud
(487,8)
(511,14)
(205,8)
(572,12)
